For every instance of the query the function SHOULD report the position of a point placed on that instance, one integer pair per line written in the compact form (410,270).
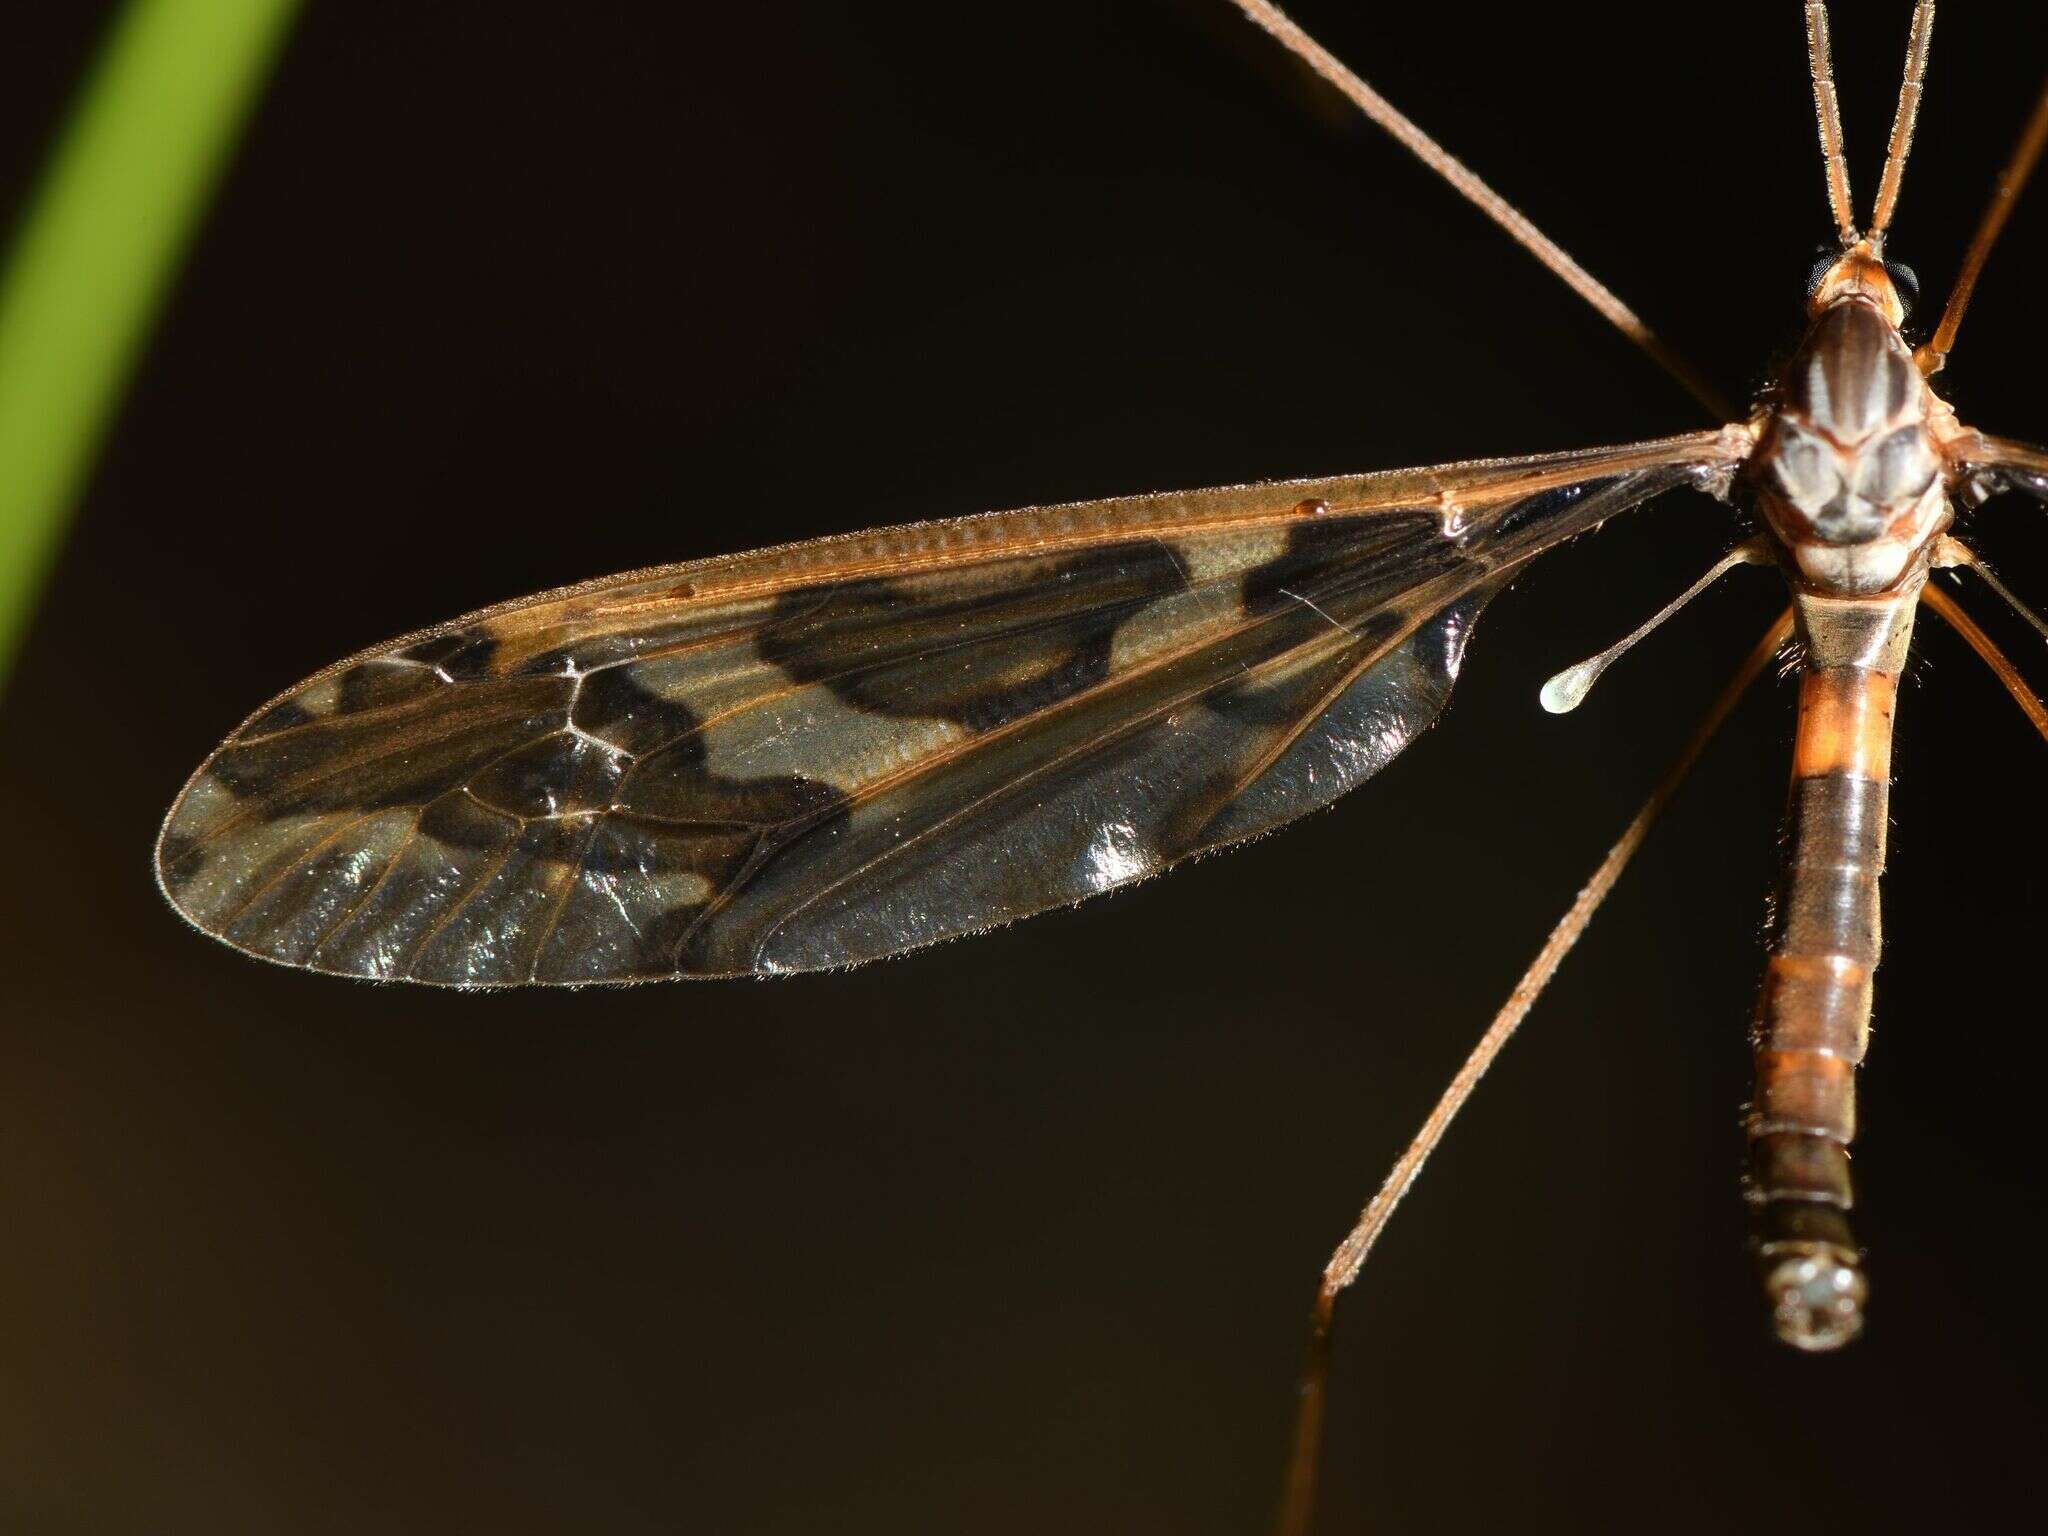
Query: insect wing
(2006,464)
(826,753)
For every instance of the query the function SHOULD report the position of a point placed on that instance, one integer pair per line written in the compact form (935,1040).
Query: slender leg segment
(1297,1504)
(2005,192)
(1468,185)
(1813,1012)
(1988,652)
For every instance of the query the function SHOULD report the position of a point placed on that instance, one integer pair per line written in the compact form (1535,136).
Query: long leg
(1298,1498)
(2005,192)
(1467,184)
(1992,657)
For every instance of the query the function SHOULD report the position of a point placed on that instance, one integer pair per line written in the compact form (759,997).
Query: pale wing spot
(220,884)
(320,888)
(1168,623)
(321,698)
(684,888)
(810,733)
(207,803)
(1219,559)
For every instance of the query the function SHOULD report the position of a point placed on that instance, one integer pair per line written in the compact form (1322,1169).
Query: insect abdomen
(1813,1013)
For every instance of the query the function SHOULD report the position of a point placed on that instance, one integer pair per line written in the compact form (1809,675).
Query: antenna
(1827,110)
(1903,120)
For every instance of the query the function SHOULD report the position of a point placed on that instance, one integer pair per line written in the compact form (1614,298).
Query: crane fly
(829,752)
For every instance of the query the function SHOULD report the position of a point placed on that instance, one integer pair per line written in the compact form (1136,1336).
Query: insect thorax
(1850,474)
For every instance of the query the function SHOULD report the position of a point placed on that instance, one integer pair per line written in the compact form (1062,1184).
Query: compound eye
(1823,264)
(1906,281)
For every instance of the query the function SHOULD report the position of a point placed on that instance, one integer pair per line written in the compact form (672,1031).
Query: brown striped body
(1849,478)
(1813,1013)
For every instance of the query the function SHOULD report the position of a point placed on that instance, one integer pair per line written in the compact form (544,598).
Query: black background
(1019,1233)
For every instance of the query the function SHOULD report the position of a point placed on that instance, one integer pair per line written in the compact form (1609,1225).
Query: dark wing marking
(834,751)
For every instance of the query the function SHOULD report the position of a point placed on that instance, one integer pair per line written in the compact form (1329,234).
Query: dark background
(1021,1233)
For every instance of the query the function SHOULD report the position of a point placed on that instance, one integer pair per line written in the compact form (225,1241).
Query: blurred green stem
(98,246)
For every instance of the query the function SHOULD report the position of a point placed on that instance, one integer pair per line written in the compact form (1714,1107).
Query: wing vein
(1079,749)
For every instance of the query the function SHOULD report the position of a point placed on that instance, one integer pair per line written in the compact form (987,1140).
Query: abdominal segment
(1813,1013)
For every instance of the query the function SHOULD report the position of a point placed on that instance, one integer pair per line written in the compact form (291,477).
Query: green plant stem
(98,246)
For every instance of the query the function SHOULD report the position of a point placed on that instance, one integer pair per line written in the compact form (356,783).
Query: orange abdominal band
(1845,724)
